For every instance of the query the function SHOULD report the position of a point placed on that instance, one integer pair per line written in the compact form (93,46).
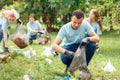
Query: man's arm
(58,49)
(32,30)
(94,37)
(56,46)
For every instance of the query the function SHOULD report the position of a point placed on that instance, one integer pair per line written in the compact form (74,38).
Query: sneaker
(30,41)
(66,69)
(84,74)
(4,56)
(68,73)
(97,48)
(7,54)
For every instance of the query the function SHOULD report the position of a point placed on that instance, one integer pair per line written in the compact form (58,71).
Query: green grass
(38,69)
(109,50)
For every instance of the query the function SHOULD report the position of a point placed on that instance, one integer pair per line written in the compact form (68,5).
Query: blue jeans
(2,38)
(32,37)
(90,50)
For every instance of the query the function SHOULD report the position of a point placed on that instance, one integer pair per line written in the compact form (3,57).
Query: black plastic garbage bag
(79,61)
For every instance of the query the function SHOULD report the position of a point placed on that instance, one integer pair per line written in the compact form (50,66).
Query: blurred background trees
(54,13)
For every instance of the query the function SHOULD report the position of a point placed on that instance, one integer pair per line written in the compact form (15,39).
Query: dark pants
(90,50)
(32,37)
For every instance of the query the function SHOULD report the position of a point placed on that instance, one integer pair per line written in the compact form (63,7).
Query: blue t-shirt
(71,36)
(96,28)
(34,26)
(4,24)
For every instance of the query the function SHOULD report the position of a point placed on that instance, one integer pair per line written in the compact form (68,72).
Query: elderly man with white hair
(7,17)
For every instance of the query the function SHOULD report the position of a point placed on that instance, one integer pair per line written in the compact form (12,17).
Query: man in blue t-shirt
(70,36)
(7,17)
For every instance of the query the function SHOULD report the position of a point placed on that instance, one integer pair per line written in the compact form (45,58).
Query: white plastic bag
(109,67)
(19,37)
(47,52)
(48,60)
(29,53)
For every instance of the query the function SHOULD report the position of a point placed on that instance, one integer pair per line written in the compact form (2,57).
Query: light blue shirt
(35,26)
(71,36)
(96,28)
(4,24)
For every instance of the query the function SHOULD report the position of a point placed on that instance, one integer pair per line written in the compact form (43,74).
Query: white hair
(17,15)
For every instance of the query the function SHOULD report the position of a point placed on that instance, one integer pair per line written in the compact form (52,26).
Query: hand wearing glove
(19,21)
(6,53)
(69,53)
(6,49)
(40,32)
(54,53)
(84,41)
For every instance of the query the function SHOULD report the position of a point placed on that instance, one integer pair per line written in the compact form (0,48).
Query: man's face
(11,19)
(76,22)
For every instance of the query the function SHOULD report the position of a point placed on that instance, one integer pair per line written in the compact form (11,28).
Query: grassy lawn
(39,69)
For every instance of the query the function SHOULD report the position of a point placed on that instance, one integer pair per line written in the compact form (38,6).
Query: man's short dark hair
(78,14)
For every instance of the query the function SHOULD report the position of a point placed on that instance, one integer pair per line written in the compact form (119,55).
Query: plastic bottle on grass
(67,78)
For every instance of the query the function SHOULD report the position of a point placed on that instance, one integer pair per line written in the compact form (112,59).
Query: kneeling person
(70,36)
(33,26)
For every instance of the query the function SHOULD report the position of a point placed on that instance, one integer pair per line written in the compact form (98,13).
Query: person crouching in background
(33,26)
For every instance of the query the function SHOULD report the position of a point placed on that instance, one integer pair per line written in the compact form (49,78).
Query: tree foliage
(109,10)
(5,2)
(54,13)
